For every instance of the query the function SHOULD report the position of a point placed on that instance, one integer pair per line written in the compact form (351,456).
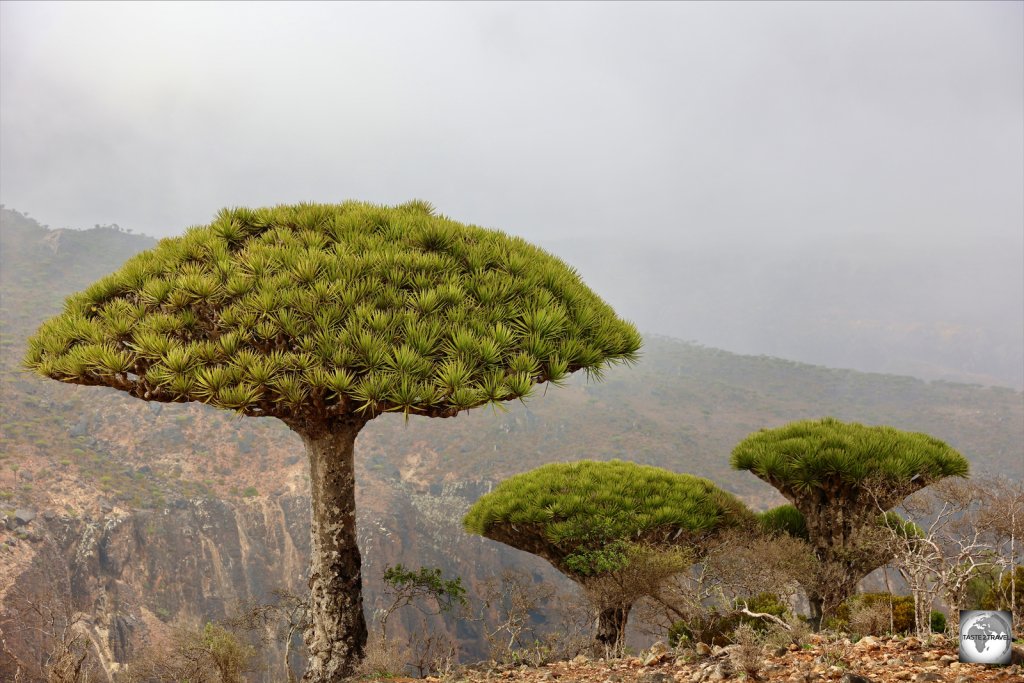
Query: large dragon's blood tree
(840,477)
(591,519)
(325,316)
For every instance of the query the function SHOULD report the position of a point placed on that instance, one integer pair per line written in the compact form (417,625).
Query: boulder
(80,428)
(868,644)
(24,515)
(850,677)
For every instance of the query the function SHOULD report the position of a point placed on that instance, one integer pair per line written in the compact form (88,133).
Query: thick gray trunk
(336,637)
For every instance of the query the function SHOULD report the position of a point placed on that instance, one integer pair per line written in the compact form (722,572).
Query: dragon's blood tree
(597,521)
(325,316)
(839,477)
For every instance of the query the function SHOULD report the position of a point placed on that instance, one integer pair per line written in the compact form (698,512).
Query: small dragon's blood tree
(325,316)
(589,519)
(839,477)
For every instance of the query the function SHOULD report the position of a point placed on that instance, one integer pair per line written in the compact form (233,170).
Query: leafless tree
(947,548)
(431,651)
(514,596)
(281,620)
(57,635)
(1002,517)
(738,566)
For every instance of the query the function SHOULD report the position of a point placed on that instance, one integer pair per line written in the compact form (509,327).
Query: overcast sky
(663,124)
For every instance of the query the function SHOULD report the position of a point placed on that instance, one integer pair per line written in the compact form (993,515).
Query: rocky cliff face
(150,515)
(133,574)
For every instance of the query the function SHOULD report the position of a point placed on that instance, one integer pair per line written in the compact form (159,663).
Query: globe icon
(985,637)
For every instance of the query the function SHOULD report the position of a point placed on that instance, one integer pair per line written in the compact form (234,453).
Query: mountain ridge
(88,457)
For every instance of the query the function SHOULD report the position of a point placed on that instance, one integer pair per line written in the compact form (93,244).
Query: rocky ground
(870,660)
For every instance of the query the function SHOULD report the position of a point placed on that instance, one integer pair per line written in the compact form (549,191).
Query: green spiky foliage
(784,519)
(814,455)
(325,316)
(839,476)
(586,518)
(316,311)
(572,507)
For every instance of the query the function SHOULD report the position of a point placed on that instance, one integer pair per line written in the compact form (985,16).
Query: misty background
(836,183)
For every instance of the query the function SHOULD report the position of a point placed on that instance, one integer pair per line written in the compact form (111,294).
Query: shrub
(870,619)
(938,622)
(902,610)
(715,628)
(249,492)
(747,655)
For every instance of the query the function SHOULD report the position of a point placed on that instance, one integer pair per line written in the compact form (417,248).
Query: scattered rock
(24,515)
(947,659)
(868,644)
(703,649)
(657,654)
(721,672)
(49,514)
(850,677)
(81,428)
(926,676)
(652,658)
(654,677)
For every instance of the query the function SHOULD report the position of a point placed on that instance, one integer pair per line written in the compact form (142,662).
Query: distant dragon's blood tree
(839,476)
(325,316)
(588,518)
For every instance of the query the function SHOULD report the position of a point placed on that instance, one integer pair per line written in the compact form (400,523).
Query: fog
(840,183)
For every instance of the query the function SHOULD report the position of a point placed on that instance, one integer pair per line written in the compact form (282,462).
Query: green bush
(938,622)
(249,492)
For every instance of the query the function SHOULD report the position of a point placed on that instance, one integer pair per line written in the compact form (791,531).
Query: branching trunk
(814,619)
(336,636)
(611,630)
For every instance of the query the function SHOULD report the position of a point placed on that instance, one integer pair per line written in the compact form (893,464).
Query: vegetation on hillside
(612,527)
(683,407)
(326,316)
(841,477)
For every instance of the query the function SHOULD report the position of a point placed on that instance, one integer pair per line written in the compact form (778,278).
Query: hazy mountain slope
(230,494)
(876,303)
